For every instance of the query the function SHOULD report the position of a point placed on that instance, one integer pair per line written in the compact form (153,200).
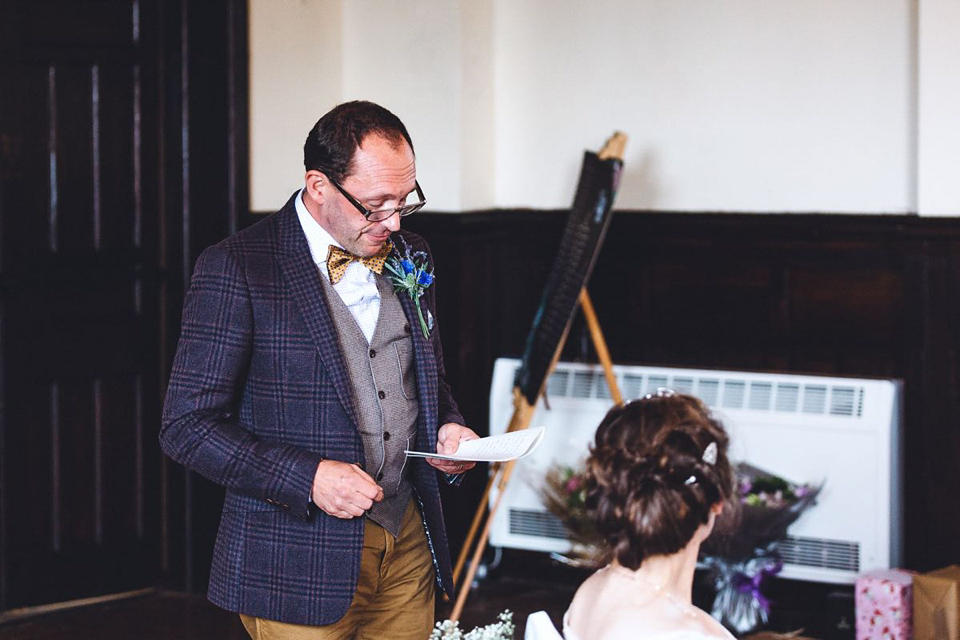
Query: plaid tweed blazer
(258,396)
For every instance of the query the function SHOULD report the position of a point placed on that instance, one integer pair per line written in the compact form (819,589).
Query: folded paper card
(936,604)
(499,448)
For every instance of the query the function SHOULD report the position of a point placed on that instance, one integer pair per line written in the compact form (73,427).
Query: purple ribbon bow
(747,584)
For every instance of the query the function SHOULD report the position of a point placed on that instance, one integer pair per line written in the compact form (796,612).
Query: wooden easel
(522,416)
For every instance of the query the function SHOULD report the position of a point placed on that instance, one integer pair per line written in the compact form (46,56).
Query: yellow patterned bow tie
(338,260)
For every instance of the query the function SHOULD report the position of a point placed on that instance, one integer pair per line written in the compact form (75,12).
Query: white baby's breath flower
(503,629)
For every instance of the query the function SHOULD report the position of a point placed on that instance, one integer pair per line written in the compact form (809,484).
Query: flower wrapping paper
(884,603)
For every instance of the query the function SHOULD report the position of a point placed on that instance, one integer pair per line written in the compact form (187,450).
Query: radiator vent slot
(603,389)
(683,385)
(814,398)
(788,398)
(843,401)
(557,383)
(708,390)
(823,554)
(527,522)
(761,393)
(632,384)
(582,384)
(734,391)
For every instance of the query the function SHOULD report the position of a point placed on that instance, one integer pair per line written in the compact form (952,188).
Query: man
(299,382)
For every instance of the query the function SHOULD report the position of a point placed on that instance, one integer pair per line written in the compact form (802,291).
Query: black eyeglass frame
(383,214)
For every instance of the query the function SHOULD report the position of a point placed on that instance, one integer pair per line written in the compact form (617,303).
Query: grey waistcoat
(384,384)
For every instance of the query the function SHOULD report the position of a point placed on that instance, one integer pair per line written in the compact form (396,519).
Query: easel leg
(477,518)
(481,543)
(600,344)
(522,416)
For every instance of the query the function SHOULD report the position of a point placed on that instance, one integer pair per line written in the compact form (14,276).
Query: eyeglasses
(382,214)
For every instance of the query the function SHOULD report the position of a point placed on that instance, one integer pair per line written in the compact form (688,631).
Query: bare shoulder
(604,610)
(663,625)
(703,625)
(587,593)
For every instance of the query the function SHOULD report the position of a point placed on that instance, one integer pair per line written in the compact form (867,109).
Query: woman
(657,477)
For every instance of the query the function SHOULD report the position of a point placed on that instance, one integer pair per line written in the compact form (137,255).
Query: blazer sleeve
(200,427)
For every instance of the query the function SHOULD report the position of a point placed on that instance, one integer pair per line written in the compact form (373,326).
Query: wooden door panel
(65,25)
(117,172)
(122,155)
(80,357)
(71,170)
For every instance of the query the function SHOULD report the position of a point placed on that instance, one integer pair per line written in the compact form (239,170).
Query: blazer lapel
(301,275)
(426,364)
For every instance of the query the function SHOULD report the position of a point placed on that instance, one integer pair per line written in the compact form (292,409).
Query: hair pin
(661,392)
(710,454)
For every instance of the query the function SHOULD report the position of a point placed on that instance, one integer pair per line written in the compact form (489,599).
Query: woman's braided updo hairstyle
(648,486)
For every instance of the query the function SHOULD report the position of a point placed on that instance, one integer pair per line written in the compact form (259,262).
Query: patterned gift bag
(884,603)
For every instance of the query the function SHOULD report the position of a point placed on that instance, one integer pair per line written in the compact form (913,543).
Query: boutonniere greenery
(411,272)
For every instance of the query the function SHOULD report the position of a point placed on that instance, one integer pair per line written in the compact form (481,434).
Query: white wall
(407,57)
(295,76)
(749,105)
(743,105)
(939,108)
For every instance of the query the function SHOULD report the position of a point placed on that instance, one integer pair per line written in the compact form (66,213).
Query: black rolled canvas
(580,244)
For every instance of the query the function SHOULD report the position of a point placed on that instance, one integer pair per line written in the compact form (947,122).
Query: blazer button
(381,394)
(373,353)
(386,435)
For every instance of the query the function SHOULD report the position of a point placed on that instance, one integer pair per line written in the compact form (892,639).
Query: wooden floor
(532,583)
(170,615)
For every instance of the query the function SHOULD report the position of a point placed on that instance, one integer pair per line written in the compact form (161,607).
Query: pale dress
(539,627)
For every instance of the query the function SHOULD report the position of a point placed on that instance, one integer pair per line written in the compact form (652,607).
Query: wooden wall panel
(871,296)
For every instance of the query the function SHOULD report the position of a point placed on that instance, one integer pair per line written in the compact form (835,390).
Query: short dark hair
(334,139)
(648,486)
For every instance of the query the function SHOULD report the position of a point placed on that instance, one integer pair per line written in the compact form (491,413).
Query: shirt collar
(318,239)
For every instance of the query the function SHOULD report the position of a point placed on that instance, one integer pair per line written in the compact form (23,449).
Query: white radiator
(808,429)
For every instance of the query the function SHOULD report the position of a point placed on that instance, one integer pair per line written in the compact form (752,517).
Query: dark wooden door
(80,300)
(123,154)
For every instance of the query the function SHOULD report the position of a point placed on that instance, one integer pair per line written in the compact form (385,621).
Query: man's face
(383,175)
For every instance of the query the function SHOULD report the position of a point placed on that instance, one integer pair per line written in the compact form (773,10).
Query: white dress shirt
(357,288)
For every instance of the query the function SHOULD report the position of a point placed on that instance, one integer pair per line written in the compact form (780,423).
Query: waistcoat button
(373,353)
(381,394)
(386,435)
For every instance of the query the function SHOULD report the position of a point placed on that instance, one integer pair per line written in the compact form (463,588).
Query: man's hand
(448,440)
(344,490)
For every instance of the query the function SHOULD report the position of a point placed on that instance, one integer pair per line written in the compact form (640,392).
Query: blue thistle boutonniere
(411,272)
